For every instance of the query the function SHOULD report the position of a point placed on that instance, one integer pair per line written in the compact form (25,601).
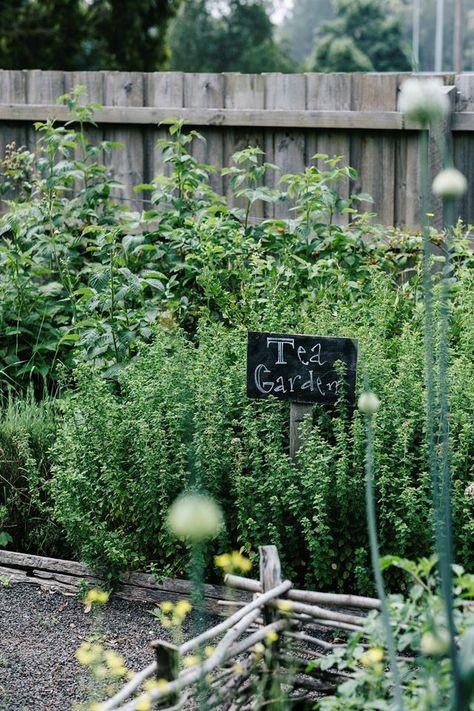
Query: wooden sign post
(301,369)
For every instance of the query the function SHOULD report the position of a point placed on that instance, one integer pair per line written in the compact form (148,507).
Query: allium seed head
(449,183)
(423,100)
(368,403)
(195,517)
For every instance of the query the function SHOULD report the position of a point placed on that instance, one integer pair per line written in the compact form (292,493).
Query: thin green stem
(375,559)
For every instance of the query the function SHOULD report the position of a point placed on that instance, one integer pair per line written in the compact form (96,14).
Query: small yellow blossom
(271,636)
(155,684)
(167,607)
(258,651)
(113,660)
(143,704)
(88,653)
(190,661)
(232,562)
(372,657)
(284,605)
(238,668)
(96,596)
(209,650)
(183,607)
(208,679)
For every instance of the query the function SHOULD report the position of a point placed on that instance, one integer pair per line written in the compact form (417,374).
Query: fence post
(298,411)
(167,665)
(270,577)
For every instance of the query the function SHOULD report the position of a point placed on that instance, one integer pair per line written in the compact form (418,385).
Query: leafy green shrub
(419,625)
(181,415)
(81,275)
(26,433)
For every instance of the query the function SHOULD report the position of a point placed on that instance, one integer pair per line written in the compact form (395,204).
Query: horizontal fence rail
(290,116)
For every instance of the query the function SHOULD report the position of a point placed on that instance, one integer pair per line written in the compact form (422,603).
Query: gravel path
(39,634)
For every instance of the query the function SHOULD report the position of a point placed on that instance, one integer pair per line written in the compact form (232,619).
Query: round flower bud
(449,183)
(195,517)
(368,403)
(435,645)
(423,100)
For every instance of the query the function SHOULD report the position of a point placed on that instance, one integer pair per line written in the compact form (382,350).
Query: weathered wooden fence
(290,116)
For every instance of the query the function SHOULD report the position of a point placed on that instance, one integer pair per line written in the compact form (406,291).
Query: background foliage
(136,324)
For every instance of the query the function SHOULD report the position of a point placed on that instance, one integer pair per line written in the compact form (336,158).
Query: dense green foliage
(160,303)
(238,39)
(420,629)
(362,38)
(120,457)
(26,433)
(73,34)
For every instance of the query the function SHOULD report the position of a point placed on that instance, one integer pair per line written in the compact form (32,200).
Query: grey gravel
(40,631)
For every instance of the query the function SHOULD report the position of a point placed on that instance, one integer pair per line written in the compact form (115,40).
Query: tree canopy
(363,37)
(75,34)
(239,37)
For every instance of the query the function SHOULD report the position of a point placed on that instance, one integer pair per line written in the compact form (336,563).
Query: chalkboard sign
(300,368)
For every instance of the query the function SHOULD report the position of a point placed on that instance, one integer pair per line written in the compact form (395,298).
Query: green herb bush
(180,411)
(26,433)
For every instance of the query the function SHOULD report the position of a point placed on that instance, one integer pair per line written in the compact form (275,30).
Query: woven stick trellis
(262,650)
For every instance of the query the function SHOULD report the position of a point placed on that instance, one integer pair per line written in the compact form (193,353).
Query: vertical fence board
(207,91)
(126,163)
(285,91)
(243,91)
(327,92)
(373,154)
(464,145)
(12,91)
(42,88)
(165,90)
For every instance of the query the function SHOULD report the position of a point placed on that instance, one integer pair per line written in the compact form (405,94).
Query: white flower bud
(195,517)
(368,403)
(423,100)
(449,183)
(435,645)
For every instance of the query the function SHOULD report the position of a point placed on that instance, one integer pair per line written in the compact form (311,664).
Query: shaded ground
(39,634)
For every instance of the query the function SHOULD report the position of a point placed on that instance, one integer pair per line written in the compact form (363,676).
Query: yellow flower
(190,661)
(372,657)
(101,672)
(223,561)
(143,704)
(234,561)
(284,606)
(183,607)
(155,684)
(209,651)
(167,607)
(238,668)
(88,653)
(271,636)
(96,596)
(113,660)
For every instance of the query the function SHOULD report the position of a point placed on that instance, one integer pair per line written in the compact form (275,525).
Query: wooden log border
(67,577)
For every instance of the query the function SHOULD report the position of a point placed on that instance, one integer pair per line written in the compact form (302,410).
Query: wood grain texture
(243,92)
(126,163)
(373,156)
(206,91)
(291,116)
(284,148)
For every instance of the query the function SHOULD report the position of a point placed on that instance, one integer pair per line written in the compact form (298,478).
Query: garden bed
(40,631)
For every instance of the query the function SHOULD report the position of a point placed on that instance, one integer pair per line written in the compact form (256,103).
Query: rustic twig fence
(291,117)
(279,616)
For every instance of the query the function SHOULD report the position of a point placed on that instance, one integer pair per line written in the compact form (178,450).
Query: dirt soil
(40,631)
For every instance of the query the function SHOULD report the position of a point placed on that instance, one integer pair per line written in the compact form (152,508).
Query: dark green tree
(365,36)
(300,24)
(240,38)
(75,34)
